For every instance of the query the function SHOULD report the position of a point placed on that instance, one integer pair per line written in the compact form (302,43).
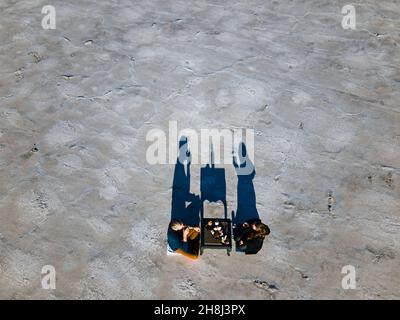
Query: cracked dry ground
(76,103)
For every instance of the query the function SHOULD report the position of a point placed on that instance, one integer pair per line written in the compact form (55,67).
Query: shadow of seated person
(183,230)
(249,232)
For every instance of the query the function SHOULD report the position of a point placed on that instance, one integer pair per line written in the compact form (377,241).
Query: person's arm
(245,234)
(196,228)
(242,245)
(185,246)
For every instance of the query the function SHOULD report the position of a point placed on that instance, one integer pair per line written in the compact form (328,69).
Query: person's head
(261,230)
(176,225)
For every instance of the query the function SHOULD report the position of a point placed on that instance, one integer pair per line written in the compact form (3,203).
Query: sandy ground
(324,103)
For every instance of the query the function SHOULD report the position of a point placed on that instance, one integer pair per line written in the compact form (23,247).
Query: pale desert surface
(77,102)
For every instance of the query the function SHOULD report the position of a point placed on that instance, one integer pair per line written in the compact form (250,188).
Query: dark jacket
(253,246)
(241,234)
(175,240)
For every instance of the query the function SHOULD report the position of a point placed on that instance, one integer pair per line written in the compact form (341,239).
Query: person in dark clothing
(250,235)
(180,236)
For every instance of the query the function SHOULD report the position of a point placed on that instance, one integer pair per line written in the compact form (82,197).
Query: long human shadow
(185,205)
(246,195)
